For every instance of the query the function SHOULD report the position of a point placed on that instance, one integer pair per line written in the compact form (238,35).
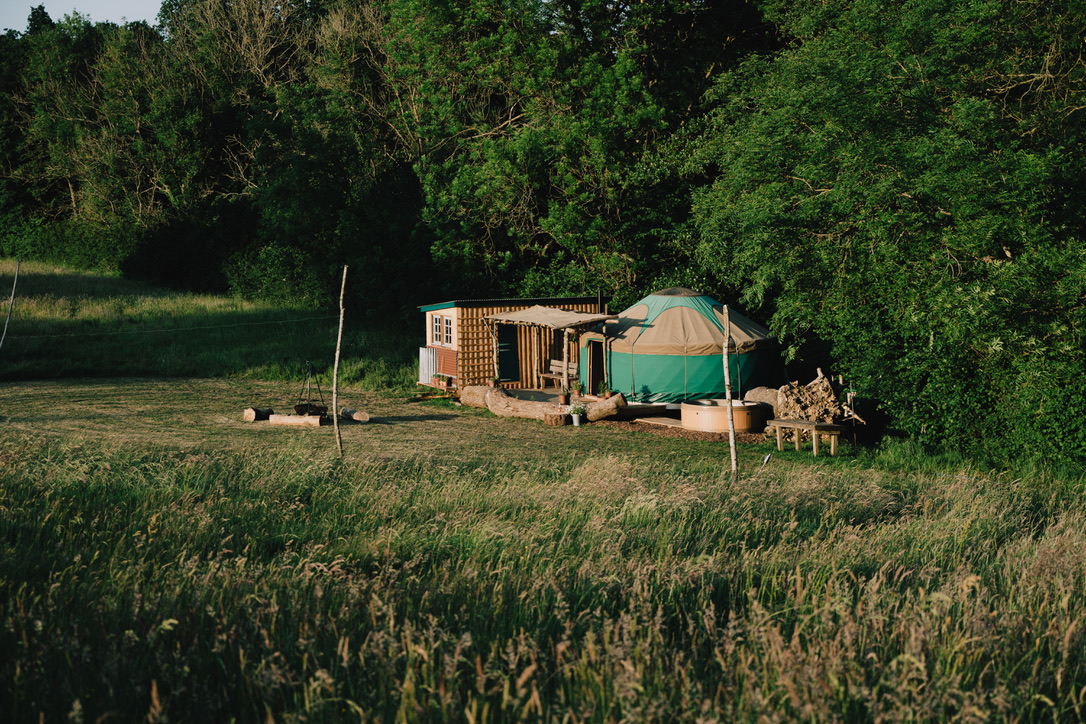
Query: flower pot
(576,420)
(563,399)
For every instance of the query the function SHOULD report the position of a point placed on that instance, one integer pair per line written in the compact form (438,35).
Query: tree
(900,183)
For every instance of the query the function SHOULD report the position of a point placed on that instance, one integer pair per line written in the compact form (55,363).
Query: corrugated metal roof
(513,301)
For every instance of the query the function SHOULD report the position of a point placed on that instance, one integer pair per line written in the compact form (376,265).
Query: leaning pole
(728,394)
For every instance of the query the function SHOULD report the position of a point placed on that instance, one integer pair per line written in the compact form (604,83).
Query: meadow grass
(161,560)
(218,585)
(70,324)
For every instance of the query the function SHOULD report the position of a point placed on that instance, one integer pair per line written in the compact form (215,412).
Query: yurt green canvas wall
(669,347)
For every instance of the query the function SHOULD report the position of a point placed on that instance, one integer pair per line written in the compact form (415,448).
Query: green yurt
(669,347)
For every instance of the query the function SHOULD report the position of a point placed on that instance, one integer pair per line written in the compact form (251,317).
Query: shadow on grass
(74,285)
(411,418)
(166,342)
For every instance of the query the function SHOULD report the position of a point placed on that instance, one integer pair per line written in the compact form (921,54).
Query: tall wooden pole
(335,369)
(11,304)
(728,394)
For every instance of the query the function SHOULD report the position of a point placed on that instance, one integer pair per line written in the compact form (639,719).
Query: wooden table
(818,429)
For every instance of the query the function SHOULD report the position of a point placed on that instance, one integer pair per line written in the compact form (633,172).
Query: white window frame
(441,331)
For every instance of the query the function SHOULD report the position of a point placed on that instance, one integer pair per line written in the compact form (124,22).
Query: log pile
(816,401)
(502,404)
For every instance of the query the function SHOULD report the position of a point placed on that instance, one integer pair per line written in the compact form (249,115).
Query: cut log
(306,420)
(557,419)
(608,407)
(502,404)
(253,414)
(474,395)
(356,415)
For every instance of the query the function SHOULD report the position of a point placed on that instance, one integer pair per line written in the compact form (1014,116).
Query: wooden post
(533,333)
(11,304)
(728,394)
(335,368)
(565,360)
(494,342)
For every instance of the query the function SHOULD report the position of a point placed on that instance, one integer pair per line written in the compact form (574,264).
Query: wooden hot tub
(712,415)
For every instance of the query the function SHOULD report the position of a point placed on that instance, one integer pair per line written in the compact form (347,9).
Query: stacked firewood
(817,401)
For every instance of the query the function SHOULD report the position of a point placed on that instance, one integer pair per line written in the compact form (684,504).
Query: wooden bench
(557,367)
(817,429)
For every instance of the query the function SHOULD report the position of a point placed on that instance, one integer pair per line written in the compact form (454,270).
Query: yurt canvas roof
(679,321)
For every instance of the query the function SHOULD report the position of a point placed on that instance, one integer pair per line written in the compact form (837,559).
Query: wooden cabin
(465,345)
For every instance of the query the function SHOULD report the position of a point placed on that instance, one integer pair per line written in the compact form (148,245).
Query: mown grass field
(161,560)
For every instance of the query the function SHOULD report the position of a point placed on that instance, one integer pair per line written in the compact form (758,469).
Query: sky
(13,13)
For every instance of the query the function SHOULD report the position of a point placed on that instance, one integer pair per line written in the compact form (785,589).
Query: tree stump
(556,419)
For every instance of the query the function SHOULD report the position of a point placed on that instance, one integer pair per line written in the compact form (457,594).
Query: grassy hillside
(161,560)
(68,324)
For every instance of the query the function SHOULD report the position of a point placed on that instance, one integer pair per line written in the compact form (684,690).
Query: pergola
(545,318)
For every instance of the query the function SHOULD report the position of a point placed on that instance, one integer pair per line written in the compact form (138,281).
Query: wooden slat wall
(475,357)
(446,361)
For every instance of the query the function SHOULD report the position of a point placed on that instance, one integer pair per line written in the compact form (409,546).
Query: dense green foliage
(898,189)
(906,184)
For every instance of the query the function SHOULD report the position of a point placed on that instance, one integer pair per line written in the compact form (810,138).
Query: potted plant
(440,381)
(563,396)
(576,410)
(576,387)
(603,390)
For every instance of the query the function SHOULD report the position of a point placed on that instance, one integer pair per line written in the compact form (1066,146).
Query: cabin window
(441,333)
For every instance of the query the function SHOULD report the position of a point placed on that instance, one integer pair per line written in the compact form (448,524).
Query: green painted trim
(435,307)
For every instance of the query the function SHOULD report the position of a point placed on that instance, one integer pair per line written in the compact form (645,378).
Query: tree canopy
(897,189)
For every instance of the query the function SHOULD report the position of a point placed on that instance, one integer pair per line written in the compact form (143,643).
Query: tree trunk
(608,407)
(502,404)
